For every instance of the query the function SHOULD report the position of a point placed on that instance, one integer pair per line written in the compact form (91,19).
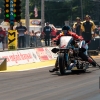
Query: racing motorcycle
(68,58)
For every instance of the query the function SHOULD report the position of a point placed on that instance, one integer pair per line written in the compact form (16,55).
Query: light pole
(42,14)
(27,15)
(81,9)
(0,13)
(0,10)
(27,40)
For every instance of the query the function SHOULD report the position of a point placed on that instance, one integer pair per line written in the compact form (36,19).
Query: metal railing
(30,42)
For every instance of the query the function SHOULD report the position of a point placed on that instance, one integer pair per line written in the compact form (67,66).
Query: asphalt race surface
(39,84)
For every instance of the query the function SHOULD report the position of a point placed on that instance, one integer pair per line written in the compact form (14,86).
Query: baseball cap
(87,16)
(78,18)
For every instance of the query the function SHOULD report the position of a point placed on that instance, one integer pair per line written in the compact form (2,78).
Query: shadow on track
(71,73)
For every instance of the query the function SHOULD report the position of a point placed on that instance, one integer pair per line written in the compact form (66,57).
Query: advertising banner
(17,57)
(41,54)
(12,40)
(53,54)
(48,53)
(34,55)
(28,56)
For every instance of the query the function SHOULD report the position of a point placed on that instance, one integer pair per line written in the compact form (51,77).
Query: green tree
(57,12)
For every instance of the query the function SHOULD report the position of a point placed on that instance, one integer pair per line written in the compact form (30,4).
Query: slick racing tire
(62,63)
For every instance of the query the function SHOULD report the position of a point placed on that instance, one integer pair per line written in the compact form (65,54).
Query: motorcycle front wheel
(62,63)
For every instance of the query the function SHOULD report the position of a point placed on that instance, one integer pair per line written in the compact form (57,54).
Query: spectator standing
(38,38)
(47,34)
(21,35)
(87,28)
(33,39)
(2,37)
(77,26)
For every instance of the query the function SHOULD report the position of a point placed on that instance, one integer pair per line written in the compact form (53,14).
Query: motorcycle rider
(66,31)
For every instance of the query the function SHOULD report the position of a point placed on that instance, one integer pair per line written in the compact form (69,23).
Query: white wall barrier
(28,56)
(53,54)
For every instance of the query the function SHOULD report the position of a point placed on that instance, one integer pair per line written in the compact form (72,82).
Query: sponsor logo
(18,57)
(48,53)
(12,40)
(35,22)
(41,54)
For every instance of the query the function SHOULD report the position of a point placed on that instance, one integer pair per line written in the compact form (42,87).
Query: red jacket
(2,33)
(74,35)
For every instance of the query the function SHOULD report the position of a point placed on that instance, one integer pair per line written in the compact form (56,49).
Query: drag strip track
(39,84)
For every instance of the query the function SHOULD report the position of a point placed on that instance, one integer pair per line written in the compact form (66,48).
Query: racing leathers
(69,33)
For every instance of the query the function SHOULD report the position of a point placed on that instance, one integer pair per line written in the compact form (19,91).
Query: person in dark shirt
(21,35)
(47,34)
(2,36)
(87,28)
(77,26)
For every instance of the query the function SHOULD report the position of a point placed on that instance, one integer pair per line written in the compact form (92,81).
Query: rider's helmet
(65,29)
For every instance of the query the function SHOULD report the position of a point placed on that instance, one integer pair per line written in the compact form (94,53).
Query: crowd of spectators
(38,38)
(35,38)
